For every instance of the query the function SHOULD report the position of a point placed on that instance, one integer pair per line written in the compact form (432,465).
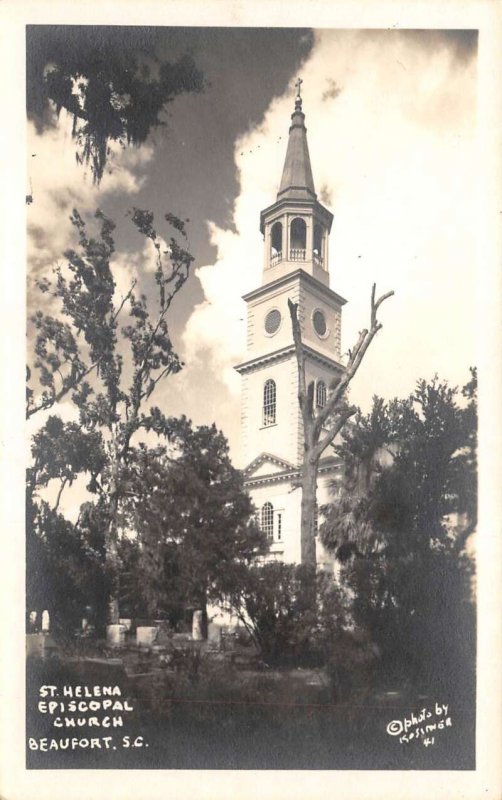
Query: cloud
(129,265)
(394,151)
(58,184)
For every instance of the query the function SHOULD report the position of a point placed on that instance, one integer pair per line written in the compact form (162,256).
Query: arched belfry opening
(318,244)
(298,239)
(276,243)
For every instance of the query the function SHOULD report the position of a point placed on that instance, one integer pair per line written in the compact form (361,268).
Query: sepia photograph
(251,441)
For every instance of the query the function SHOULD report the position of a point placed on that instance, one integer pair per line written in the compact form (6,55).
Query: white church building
(296,229)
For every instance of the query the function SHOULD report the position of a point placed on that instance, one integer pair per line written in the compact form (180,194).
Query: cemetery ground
(215,705)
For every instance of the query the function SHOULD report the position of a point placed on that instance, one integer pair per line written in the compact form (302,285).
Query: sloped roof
(297,182)
(275,462)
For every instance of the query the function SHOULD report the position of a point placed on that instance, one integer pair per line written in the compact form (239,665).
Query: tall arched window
(269,403)
(267,520)
(275,243)
(298,239)
(320,394)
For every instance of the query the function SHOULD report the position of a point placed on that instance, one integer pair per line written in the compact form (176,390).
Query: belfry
(296,229)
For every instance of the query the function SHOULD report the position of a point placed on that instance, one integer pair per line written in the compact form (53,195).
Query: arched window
(267,520)
(320,394)
(275,243)
(318,254)
(269,403)
(298,239)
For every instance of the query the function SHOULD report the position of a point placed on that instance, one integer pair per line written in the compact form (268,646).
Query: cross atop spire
(298,99)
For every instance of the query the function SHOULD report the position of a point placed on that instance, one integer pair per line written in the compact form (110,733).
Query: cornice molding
(329,465)
(302,276)
(284,353)
(296,205)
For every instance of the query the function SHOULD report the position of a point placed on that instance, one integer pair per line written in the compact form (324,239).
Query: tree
(321,428)
(401,537)
(109,80)
(273,602)
(108,372)
(195,520)
(66,572)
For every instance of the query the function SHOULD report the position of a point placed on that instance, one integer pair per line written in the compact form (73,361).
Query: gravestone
(146,635)
(197,626)
(45,621)
(115,635)
(214,635)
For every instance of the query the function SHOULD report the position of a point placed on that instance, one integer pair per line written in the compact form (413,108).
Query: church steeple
(296,227)
(297,182)
(295,230)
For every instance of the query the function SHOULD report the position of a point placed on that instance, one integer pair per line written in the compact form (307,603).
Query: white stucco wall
(281,438)
(286,501)
(309,298)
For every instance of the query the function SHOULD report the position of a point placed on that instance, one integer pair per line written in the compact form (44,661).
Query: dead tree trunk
(309,502)
(320,429)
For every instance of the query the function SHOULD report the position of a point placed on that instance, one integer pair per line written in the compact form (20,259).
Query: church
(296,230)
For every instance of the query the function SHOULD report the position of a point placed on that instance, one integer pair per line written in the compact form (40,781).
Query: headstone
(146,635)
(45,621)
(33,620)
(127,623)
(164,636)
(115,635)
(214,635)
(35,644)
(197,626)
(40,644)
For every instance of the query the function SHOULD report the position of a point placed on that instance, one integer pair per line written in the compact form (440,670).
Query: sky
(391,121)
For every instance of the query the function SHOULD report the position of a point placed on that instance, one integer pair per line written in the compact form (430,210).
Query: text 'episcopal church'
(296,232)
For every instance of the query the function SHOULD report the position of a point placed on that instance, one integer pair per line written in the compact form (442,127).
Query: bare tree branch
(334,430)
(332,417)
(64,481)
(356,357)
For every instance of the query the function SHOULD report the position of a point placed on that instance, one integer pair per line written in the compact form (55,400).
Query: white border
(16,782)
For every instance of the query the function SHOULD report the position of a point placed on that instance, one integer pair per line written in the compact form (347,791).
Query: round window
(272,321)
(319,321)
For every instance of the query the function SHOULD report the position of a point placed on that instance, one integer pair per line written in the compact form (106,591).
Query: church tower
(296,229)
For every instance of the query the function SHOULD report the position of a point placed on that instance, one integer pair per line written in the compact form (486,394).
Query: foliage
(66,572)
(194,518)
(108,370)
(401,532)
(274,602)
(112,83)
(68,352)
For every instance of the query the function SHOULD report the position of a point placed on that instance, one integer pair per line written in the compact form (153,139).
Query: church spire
(297,182)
